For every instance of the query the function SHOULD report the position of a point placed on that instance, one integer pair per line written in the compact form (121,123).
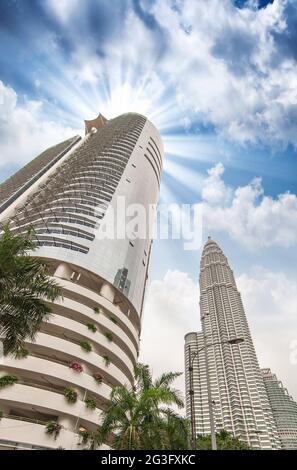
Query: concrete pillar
(63,271)
(107,292)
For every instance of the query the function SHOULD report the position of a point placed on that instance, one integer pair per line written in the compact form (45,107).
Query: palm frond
(25,287)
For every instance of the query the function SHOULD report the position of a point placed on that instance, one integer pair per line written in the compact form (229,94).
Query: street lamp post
(192,357)
(192,404)
(210,408)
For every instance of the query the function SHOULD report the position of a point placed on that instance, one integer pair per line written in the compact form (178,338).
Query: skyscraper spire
(239,399)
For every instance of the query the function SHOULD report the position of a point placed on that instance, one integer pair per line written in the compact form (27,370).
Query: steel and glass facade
(284,410)
(67,195)
(239,400)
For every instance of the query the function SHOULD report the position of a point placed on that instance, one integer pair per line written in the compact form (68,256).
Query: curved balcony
(84,296)
(52,372)
(67,351)
(48,402)
(27,434)
(83,314)
(75,332)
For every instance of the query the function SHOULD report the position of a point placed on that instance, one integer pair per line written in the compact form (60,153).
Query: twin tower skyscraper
(225,387)
(64,195)
(227,383)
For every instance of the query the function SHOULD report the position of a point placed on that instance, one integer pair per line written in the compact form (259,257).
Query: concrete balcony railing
(48,402)
(83,314)
(81,293)
(68,352)
(65,329)
(28,433)
(51,372)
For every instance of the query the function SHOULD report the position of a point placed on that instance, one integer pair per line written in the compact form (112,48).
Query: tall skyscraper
(239,400)
(284,410)
(67,194)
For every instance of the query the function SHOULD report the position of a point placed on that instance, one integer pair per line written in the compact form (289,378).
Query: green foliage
(24,288)
(1,414)
(92,327)
(84,436)
(96,310)
(70,395)
(106,360)
(86,346)
(88,437)
(98,377)
(109,336)
(91,403)
(21,353)
(114,320)
(53,428)
(7,380)
(140,417)
(225,441)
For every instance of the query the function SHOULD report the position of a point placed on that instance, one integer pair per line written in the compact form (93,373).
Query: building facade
(237,392)
(284,410)
(69,195)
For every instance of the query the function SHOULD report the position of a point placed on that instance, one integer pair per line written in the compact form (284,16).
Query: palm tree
(225,441)
(140,417)
(24,288)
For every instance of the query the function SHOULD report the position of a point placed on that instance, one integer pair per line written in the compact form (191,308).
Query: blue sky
(218,79)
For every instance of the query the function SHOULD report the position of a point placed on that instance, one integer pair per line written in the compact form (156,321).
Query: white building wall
(127,165)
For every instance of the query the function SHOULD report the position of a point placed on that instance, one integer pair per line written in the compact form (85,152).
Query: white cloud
(24,132)
(226,65)
(214,190)
(204,61)
(270,303)
(62,9)
(171,311)
(250,217)
(124,79)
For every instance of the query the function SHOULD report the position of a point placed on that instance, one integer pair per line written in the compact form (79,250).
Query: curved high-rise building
(284,410)
(68,195)
(238,398)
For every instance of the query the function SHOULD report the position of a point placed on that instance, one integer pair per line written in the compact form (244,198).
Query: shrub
(7,380)
(86,346)
(109,336)
(70,395)
(114,320)
(96,310)
(52,427)
(106,360)
(92,327)
(90,403)
(85,435)
(98,377)
(76,366)
(21,353)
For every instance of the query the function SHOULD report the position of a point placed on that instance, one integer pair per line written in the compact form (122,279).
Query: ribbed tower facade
(239,400)
(67,195)
(284,410)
